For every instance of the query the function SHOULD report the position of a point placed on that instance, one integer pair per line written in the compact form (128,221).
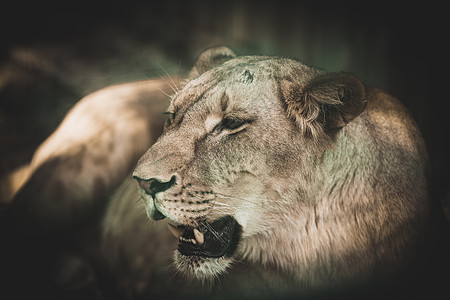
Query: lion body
(323,177)
(325,219)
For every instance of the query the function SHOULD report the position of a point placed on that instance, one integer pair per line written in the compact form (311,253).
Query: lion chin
(200,269)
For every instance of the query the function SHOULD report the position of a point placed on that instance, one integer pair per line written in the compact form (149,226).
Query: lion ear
(325,103)
(211,58)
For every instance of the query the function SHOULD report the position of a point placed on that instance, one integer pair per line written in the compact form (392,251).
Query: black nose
(153,186)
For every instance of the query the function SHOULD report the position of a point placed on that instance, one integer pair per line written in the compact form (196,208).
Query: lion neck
(319,235)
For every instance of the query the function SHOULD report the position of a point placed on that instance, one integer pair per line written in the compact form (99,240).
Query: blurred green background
(52,54)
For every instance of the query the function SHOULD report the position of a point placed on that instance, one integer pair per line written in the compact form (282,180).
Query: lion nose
(153,186)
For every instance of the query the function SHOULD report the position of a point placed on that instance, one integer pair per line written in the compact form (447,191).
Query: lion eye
(230,125)
(170,118)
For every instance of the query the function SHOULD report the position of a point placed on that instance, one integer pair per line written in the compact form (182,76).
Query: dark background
(52,54)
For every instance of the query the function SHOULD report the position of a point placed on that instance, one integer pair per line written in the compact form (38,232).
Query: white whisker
(179,70)
(235,197)
(214,232)
(222,204)
(174,87)
(223,207)
(170,96)
(149,223)
(221,210)
(139,199)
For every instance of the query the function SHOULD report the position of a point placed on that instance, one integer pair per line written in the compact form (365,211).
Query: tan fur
(325,176)
(11,183)
(337,196)
(121,120)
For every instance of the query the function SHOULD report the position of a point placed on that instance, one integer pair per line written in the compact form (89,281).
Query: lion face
(209,174)
(231,161)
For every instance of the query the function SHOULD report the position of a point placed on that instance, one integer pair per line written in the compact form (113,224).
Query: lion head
(258,163)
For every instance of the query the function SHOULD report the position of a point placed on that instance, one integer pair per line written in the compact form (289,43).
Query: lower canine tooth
(199,237)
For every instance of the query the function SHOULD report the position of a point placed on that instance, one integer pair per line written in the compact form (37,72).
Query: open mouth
(215,239)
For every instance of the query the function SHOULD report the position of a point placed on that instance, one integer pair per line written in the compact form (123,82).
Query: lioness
(275,178)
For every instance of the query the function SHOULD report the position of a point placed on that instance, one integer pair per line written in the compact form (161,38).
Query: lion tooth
(199,237)
(176,232)
(192,241)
